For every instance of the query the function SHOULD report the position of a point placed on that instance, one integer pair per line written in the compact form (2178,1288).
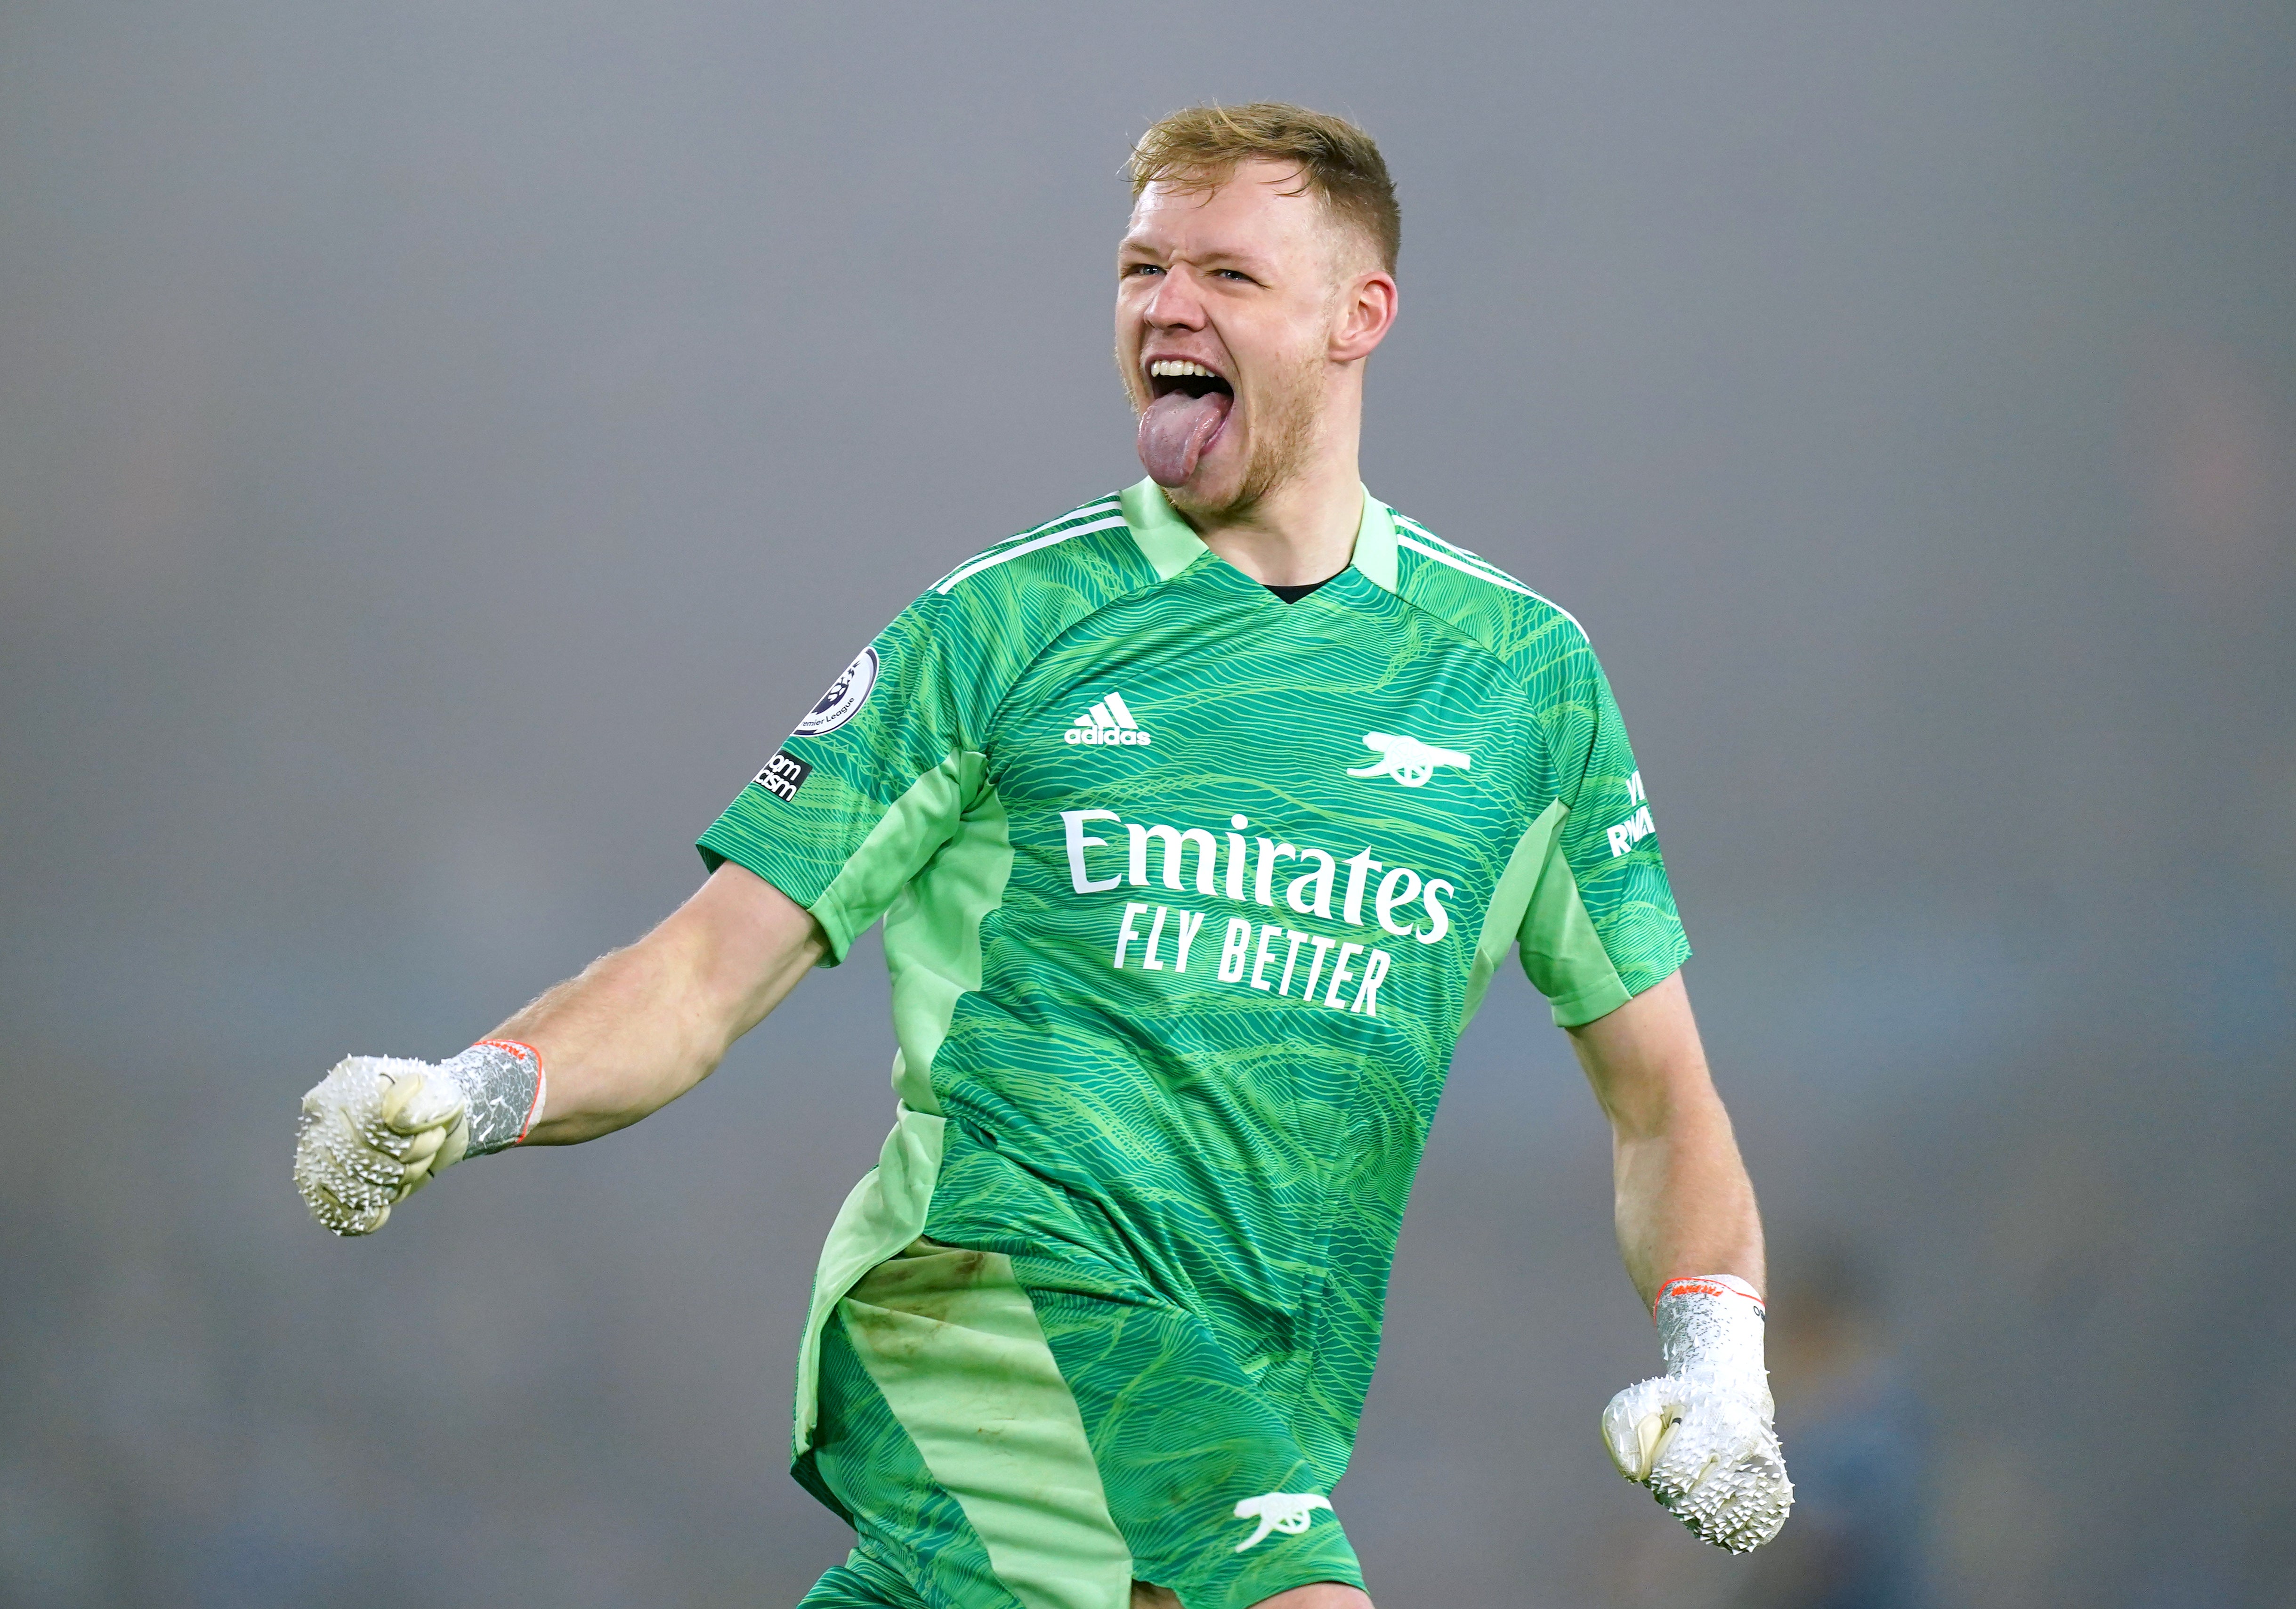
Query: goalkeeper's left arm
(1698,1434)
(639,1029)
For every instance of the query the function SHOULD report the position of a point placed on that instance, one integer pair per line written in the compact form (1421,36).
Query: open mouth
(1190,404)
(1185,376)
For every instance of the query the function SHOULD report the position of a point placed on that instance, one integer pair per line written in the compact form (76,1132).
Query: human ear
(1366,307)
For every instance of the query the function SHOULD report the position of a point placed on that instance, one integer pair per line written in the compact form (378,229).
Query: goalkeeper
(1200,820)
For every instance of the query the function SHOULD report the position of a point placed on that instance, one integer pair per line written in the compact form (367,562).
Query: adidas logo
(1108,721)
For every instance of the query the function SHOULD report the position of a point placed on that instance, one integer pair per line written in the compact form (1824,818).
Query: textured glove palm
(1699,1436)
(376,1128)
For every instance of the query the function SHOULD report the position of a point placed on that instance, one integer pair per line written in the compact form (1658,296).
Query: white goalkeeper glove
(1699,1436)
(376,1129)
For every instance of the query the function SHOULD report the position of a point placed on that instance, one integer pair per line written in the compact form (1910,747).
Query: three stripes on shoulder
(1105,514)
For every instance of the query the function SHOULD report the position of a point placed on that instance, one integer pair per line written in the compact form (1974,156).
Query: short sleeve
(874,780)
(1601,926)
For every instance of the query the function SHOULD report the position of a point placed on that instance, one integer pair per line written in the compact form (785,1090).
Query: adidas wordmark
(1108,721)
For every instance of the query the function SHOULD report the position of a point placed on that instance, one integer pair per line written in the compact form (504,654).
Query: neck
(1303,530)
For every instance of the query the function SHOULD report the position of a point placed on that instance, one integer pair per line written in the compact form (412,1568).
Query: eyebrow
(1129,245)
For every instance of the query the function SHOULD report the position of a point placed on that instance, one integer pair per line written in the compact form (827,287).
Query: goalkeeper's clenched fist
(1699,1436)
(376,1129)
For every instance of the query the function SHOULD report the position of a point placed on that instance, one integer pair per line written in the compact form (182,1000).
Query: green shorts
(1002,1439)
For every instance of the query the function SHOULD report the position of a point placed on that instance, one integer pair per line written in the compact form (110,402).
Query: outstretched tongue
(1173,431)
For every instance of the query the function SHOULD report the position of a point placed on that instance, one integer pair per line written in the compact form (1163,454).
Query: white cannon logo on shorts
(1407,760)
(1289,1512)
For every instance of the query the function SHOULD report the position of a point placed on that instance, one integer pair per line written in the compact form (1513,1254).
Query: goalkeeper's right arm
(639,1029)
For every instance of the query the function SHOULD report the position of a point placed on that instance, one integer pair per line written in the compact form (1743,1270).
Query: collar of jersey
(1170,546)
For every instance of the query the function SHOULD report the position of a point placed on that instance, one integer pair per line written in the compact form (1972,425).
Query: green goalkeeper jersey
(1188,893)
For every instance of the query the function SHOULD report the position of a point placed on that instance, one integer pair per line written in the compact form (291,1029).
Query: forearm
(623,1040)
(1684,1205)
(641,1026)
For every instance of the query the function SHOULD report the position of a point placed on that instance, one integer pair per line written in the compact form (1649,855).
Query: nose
(1175,306)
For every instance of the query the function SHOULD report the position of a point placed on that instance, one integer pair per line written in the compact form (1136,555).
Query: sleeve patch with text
(783,776)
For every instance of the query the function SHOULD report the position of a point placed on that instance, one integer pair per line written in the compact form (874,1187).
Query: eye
(1237,274)
(1134,270)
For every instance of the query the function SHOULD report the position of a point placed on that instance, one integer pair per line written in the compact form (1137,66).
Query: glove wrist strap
(504,1088)
(1710,1326)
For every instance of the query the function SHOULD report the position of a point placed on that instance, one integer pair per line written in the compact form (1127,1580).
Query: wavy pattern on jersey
(1258,1174)
(1229,1153)
(1627,897)
(1179,1431)
(916,1545)
(944,664)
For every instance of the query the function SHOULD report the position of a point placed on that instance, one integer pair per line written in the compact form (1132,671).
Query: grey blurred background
(444,447)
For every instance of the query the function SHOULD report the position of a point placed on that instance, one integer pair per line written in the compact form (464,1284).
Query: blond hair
(1198,149)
